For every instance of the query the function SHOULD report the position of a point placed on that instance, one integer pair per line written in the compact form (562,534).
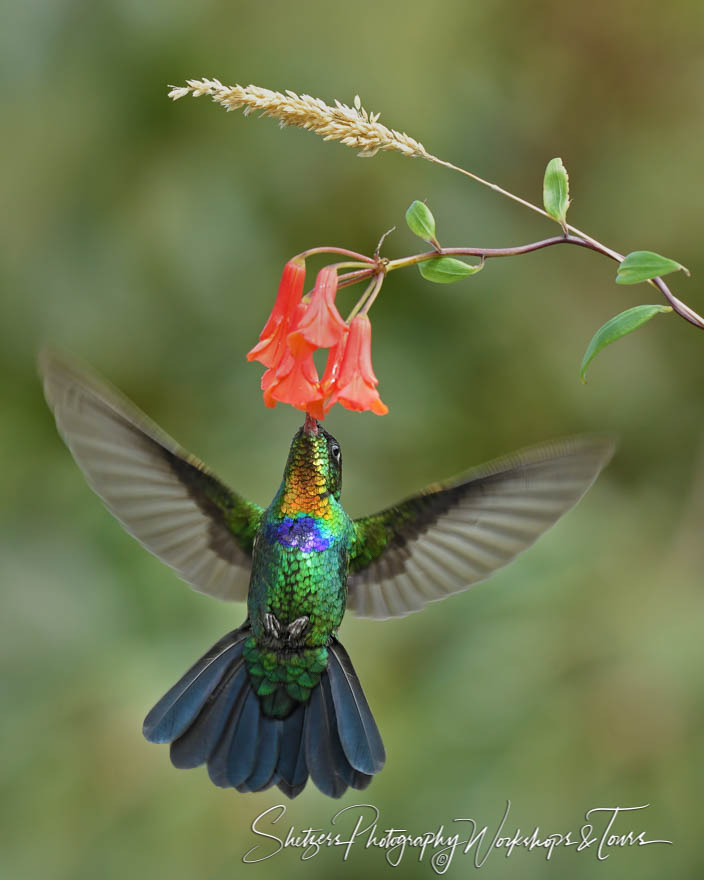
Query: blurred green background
(147,238)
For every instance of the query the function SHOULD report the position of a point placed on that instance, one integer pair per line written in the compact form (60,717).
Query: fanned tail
(213,716)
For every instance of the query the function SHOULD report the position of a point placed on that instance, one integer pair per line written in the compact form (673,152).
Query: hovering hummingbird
(277,699)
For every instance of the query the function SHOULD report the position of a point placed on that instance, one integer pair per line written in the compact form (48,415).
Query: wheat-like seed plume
(352,126)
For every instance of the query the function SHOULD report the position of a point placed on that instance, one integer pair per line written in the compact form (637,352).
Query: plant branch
(586,242)
(488,253)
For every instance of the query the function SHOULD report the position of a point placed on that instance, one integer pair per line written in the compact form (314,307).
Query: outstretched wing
(163,496)
(450,537)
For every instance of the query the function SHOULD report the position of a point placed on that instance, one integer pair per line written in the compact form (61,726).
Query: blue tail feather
(359,734)
(291,747)
(292,767)
(343,768)
(179,706)
(243,748)
(264,773)
(195,746)
(321,738)
(224,753)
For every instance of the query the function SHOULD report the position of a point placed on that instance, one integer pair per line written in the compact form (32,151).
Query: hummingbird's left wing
(163,496)
(450,537)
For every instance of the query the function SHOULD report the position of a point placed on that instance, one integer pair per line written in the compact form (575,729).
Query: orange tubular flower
(293,332)
(294,379)
(321,325)
(272,346)
(349,375)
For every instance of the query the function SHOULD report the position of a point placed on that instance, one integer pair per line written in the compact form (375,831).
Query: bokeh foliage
(148,237)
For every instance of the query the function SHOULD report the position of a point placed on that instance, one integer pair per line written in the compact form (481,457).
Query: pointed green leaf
(421,221)
(445,270)
(556,191)
(644,265)
(618,326)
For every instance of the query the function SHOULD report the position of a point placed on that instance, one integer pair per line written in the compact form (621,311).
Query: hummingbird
(277,700)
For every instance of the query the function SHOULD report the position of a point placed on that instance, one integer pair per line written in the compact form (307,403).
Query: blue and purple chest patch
(304,533)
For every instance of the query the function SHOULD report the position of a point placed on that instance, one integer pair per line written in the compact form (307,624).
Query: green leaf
(556,191)
(618,326)
(445,270)
(421,222)
(644,265)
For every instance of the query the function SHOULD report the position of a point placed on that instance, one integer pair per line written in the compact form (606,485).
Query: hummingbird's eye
(335,451)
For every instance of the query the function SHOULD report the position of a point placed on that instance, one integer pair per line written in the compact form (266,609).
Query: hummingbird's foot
(272,627)
(297,627)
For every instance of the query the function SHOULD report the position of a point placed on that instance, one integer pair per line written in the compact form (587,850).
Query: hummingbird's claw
(281,634)
(297,627)
(272,627)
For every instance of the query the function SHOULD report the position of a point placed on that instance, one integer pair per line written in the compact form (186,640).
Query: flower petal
(321,326)
(271,349)
(299,385)
(289,295)
(272,340)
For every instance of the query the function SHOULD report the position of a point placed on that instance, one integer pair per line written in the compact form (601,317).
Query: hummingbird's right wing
(450,537)
(163,496)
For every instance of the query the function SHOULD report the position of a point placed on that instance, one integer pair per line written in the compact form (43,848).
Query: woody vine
(301,323)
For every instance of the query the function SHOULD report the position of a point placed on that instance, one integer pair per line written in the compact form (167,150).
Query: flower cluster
(296,328)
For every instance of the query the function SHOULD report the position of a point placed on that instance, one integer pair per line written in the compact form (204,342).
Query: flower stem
(364,267)
(366,299)
(494,186)
(361,258)
(375,288)
(355,277)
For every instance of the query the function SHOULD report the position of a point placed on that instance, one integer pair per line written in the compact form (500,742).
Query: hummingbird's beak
(310,425)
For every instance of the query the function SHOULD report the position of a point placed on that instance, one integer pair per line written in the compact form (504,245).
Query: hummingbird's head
(314,467)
